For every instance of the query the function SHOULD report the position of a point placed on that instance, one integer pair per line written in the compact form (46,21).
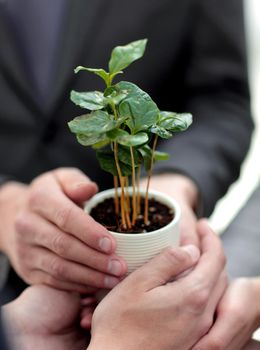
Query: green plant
(123,126)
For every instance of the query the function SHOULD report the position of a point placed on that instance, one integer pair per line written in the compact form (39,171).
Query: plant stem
(121,180)
(127,203)
(116,195)
(138,200)
(134,187)
(146,205)
(126,223)
(127,193)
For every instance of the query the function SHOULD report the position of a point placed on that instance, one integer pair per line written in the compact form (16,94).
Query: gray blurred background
(228,207)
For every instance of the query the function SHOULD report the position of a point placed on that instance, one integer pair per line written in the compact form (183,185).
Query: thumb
(75,184)
(165,267)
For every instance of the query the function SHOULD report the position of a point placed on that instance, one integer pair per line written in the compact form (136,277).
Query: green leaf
(146,153)
(133,140)
(160,131)
(114,96)
(107,163)
(161,155)
(116,133)
(95,123)
(138,107)
(91,140)
(124,156)
(98,71)
(125,139)
(123,56)
(175,122)
(93,100)
(101,144)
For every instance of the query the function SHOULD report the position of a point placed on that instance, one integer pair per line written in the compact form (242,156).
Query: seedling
(123,125)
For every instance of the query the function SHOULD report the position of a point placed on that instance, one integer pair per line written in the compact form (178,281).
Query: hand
(185,192)
(238,316)
(152,309)
(50,240)
(252,345)
(45,318)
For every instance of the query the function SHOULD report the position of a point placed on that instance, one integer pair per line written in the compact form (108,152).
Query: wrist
(183,188)
(11,196)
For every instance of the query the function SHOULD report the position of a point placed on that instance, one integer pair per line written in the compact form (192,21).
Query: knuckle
(35,196)
(57,268)
(59,245)
(199,300)
(62,216)
(21,223)
(174,256)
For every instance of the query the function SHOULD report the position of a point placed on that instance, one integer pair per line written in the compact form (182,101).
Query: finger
(86,317)
(41,277)
(164,267)
(49,201)
(189,234)
(75,184)
(88,301)
(68,271)
(44,234)
(226,332)
(220,336)
(212,260)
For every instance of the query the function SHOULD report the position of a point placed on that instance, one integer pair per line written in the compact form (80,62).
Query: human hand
(252,345)
(154,309)
(238,316)
(49,238)
(185,192)
(45,318)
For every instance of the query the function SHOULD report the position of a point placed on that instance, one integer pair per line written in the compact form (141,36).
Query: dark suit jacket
(195,62)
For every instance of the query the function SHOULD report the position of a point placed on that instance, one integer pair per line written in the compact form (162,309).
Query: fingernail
(105,244)
(110,282)
(193,251)
(115,267)
(84,184)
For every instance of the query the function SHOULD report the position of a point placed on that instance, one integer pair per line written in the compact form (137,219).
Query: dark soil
(159,215)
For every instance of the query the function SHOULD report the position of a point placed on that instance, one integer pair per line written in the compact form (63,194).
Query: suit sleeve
(216,84)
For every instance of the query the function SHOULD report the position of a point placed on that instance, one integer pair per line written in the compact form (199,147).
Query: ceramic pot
(138,248)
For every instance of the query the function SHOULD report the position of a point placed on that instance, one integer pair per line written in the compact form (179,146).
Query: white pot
(137,249)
